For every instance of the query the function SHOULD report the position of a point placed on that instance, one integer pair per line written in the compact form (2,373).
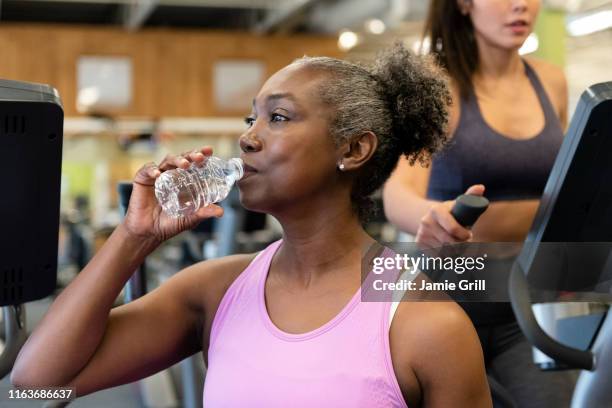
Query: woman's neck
(495,63)
(319,241)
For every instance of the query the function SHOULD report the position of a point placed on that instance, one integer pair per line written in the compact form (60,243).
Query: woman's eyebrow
(286,95)
(277,96)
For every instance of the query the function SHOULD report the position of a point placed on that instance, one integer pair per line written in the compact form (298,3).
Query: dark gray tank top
(510,169)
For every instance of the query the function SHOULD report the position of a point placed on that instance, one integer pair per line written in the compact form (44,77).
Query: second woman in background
(506,127)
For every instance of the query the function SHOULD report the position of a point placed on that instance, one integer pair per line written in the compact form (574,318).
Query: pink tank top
(251,363)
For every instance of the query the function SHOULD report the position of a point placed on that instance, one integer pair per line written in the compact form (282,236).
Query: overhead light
(572,5)
(375,26)
(347,40)
(590,23)
(530,45)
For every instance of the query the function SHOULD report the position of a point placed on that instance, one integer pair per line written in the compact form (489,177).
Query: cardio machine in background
(31,134)
(567,256)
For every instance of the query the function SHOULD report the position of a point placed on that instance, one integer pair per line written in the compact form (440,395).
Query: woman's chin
(249,202)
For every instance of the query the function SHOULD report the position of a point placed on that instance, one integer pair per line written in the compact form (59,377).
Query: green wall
(550,29)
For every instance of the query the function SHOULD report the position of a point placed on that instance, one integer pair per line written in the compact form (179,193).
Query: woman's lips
(518,27)
(248,171)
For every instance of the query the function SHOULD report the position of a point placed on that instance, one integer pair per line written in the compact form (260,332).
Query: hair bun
(416,91)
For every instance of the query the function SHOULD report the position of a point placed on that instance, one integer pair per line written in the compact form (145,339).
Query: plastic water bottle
(181,192)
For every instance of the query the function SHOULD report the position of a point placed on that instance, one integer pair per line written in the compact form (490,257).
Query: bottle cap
(238,164)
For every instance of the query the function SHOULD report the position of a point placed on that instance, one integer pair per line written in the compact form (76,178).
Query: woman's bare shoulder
(547,72)
(430,332)
(436,320)
(207,281)
(552,76)
(436,344)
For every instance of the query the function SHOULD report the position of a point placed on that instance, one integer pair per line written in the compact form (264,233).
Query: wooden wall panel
(172,69)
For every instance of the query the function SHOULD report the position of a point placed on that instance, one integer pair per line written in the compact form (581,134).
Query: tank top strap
(549,112)
(249,278)
(469,110)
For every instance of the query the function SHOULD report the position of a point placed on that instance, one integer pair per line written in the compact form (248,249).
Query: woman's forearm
(505,221)
(72,329)
(403,207)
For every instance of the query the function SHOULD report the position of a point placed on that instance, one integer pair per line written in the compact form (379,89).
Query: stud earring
(341,166)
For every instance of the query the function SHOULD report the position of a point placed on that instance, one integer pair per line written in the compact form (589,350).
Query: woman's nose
(249,142)
(519,5)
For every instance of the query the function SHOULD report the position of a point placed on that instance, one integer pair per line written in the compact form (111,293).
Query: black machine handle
(468,208)
(521,304)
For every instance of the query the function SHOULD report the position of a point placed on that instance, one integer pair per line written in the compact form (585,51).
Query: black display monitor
(31,134)
(575,211)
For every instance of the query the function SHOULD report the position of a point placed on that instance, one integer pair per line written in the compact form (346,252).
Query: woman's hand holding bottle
(145,218)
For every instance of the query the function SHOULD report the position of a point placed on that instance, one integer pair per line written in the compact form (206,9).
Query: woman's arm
(82,342)
(451,370)
(505,221)
(438,345)
(405,207)
(404,196)
(80,333)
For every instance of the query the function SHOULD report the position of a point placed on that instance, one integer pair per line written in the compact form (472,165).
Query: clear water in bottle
(182,192)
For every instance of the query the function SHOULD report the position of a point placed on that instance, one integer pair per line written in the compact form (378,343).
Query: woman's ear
(358,151)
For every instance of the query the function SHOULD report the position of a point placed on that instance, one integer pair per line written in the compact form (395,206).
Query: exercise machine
(567,254)
(31,134)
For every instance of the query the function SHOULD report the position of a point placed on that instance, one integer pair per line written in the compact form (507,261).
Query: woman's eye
(249,121)
(275,117)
